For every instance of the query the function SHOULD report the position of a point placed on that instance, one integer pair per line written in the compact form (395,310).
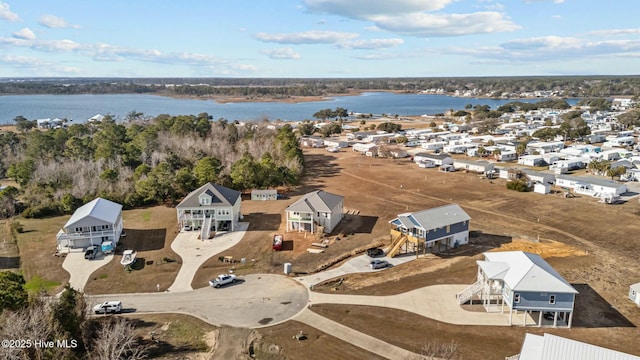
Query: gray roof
(528,272)
(590,180)
(433,156)
(436,217)
(100,209)
(552,347)
(315,201)
(220,196)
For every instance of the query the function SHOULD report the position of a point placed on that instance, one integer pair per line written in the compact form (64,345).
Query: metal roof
(552,347)
(591,180)
(436,217)
(635,287)
(100,209)
(315,201)
(220,196)
(529,272)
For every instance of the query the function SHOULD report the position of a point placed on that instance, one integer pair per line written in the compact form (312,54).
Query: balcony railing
(83,234)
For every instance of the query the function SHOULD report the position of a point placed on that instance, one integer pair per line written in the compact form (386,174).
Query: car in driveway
(375,252)
(91,252)
(379,264)
(108,307)
(223,279)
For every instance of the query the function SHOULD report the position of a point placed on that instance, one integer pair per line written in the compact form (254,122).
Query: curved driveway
(257,301)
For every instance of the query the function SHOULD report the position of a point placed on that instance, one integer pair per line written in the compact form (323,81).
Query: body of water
(81,107)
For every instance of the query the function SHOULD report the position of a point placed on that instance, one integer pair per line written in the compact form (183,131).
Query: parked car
(186,228)
(91,252)
(379,264)
(548,316)
(223,279)
(113,307)
(375,252)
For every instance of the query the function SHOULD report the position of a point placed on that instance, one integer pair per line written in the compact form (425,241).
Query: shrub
(518,185)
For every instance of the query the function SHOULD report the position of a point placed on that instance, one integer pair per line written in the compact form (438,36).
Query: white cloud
(550,48)
(615,32)
(20,61)
(553,1)
(25,33)
(416,17)
(371,44)
(7,14)
(281,53)
(55,22)
(421,24)
(363,9)
(308,37)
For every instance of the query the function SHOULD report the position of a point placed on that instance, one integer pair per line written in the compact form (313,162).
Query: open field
(591,244)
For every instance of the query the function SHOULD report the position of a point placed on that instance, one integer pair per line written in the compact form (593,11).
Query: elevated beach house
(92,224)
(210,207)
(429,230)
(317,208)
(525,284)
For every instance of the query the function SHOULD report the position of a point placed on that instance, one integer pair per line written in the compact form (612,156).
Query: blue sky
(318,38)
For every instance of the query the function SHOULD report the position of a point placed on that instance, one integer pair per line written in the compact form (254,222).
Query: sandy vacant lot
(592,245)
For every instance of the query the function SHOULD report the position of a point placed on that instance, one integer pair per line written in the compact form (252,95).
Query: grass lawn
(150,232)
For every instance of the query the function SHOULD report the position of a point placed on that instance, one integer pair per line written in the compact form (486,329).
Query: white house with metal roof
(592,186)
(552,347)
(210,207)
(430,229)
(523,282)
(317,208)
(634,293)
(91,224)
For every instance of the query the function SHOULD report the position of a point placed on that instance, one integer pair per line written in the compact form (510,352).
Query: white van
(114,307)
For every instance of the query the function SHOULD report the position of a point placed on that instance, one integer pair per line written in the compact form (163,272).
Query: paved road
(258,301)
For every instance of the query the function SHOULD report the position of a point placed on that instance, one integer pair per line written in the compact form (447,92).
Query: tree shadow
(144,239)
(9,262)
(356,224)
(262,221)
(317,166)
(593,311)
(287,245)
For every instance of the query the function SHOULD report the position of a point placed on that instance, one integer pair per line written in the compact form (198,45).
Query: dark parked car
(375,252)
(90,253)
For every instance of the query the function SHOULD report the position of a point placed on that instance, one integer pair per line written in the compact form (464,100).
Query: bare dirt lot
(591,244)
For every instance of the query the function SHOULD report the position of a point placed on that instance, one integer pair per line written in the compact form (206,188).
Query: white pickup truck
(223,279)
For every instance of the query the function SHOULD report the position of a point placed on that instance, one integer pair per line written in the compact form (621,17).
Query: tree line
(143,162)
(571,86)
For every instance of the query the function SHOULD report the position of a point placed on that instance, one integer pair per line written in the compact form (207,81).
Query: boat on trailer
(128,258)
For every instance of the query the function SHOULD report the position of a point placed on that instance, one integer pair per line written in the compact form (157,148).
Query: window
(448,229)
(516,298)
(552,299)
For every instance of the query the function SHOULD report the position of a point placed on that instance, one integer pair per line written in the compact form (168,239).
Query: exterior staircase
(468,293)
(396,245)
(205,232)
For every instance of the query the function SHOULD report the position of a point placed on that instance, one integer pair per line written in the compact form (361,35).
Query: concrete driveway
(81,269)
(257,301)
(358,264)
(194,252)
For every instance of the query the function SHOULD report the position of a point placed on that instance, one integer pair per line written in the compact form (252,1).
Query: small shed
(634,293)
(541,188)
(268,194)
